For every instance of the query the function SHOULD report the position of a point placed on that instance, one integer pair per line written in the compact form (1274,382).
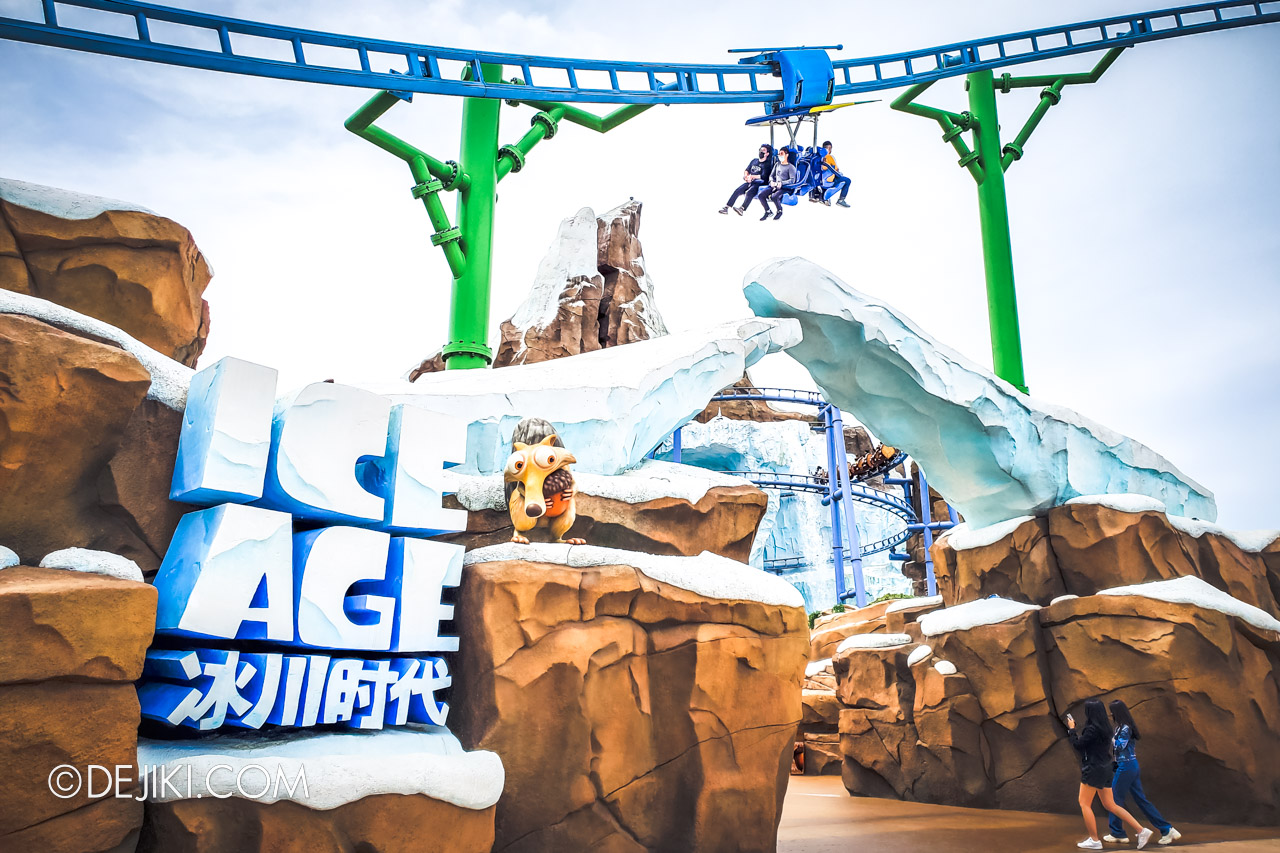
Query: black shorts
(1095,776)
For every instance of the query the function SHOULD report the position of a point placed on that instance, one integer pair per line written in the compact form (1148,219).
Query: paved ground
(820,817)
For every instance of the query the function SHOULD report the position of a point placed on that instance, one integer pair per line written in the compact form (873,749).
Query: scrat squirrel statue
(538,482)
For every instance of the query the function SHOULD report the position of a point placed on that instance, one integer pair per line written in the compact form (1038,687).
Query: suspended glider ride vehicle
(808,83)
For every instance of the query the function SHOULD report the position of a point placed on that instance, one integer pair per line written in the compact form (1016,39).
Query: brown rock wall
(629,714)
(137,271)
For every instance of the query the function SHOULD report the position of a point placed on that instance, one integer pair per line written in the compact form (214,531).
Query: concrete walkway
(820,817)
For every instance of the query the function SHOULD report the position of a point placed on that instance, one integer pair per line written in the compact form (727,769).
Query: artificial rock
(111,260)
(630,714)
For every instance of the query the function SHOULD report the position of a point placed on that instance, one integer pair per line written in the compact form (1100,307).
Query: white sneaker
(1169,837)
(1111,839)
(1090,844)
(1144,837)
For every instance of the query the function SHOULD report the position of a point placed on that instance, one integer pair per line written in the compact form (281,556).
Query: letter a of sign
(218,567)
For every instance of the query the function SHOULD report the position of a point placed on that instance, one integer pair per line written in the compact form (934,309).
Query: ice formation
(169,379)
(972,614)
(1192,590)
(994,452)
(796,524)
(707,574)
(93,562)
(863,642)
(611,406)
(64,204)
(9,558)
(339,767)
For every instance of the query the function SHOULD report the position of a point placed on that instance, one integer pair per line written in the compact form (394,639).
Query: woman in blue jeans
(1128,781)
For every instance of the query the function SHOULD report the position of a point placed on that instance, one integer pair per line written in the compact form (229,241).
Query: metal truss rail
(161,34)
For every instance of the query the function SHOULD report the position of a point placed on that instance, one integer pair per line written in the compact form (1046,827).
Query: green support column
(997,248)
(469,303)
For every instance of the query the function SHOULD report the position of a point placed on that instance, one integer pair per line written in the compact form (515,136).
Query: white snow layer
(994,452)
(572,255)
(339,767)
(817,667)
(907,603)
(650,480)
(1122,503)
(1062,598)
(707,574)
(864,642)
(962,537)
(961,617)
(8,558)
(62,203)
(1192,590)
(918,654)
(945,667)
(1246,540)
(93,562)
(169,379)
(611,406)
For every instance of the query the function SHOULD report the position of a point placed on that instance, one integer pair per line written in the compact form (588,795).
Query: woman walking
(1094,745)
(1128,780)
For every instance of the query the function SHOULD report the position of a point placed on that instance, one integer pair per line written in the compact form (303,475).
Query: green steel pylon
(468,247)
(987,162)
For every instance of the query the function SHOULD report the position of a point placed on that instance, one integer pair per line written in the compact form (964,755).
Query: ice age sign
(307,592)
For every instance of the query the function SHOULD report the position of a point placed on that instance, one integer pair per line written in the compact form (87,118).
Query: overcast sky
(1146,231)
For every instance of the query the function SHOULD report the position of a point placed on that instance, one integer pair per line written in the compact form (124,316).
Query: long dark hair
(1120,713)
(1095,714)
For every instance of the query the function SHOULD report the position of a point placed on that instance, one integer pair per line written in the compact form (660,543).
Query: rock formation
(111,260)
(966,706)
(591,292)
(994,452)
(71,646)
(630,713)
(99,480)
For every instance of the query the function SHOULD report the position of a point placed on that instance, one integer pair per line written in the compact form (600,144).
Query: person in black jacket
(1094,745)
(753,177)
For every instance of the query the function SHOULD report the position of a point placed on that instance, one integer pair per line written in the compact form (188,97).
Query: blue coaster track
(161,34)
(840,491)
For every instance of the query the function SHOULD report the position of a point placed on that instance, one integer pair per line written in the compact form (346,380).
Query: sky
(1144,214)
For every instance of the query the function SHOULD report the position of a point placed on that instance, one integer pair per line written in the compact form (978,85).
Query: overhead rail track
(154,33)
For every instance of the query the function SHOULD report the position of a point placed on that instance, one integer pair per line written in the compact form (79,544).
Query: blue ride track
(160,34)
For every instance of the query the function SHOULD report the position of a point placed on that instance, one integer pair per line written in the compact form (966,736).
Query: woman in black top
(1094,745)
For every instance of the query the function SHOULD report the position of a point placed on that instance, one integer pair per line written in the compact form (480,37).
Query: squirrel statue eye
(519,465)
(551,460)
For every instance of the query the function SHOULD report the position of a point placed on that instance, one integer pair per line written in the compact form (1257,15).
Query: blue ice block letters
(228,574)
(226,434)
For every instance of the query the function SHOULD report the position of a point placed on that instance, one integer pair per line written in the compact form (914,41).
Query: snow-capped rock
(994,452)
(93,562)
